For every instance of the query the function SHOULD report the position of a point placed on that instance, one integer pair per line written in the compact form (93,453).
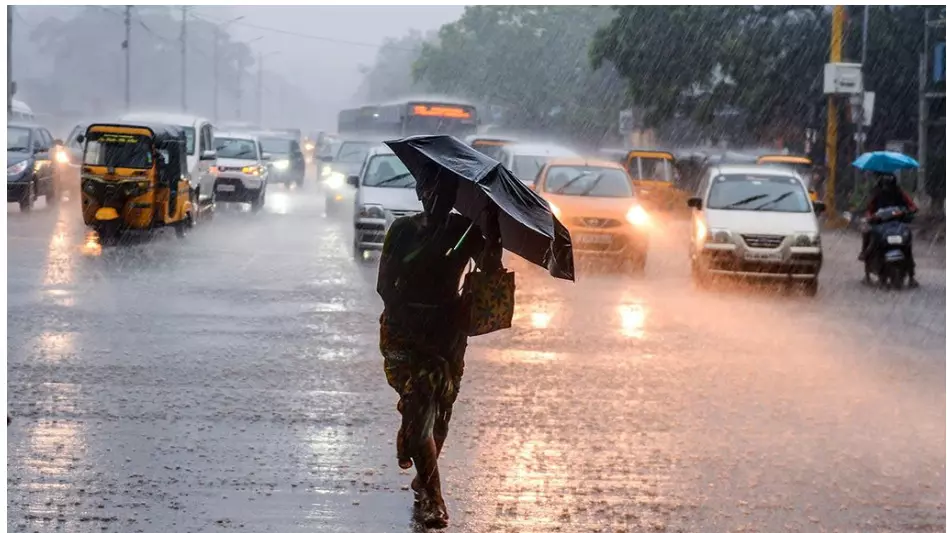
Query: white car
(384,192)
(526,160)
(241,172)
(200,147)
(753,221)
(335,170)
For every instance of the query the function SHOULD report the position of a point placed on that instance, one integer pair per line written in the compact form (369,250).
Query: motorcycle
(891,238)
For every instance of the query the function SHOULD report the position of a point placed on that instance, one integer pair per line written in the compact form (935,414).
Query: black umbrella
(527,226)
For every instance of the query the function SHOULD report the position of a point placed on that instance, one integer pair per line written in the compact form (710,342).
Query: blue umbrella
(884,162)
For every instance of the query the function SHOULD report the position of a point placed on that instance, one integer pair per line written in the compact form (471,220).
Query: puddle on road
(55,346)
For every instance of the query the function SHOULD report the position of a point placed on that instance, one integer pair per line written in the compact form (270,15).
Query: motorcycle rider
(887,193)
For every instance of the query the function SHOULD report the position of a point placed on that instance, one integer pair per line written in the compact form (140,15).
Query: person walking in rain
(423,334)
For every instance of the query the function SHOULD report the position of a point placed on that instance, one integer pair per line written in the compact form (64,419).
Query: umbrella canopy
(884,162)
(527,226)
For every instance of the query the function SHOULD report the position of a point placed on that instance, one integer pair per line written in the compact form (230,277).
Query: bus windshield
(124,150)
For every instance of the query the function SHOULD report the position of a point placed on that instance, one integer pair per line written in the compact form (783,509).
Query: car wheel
(810,288)
(257,204)
(26,203)
(700,276)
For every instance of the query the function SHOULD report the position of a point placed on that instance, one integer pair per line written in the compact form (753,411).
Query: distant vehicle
(888,256)
(31,171)
(286,160)
(241,171)
(656,179)
(348,161)
(20,112)
(410,117)
(384,192)
(489,145)
(595,200)
(527,160)
(200,149)
(755,221)
(801,164)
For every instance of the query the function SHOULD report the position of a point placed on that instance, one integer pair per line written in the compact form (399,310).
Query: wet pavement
(232,381)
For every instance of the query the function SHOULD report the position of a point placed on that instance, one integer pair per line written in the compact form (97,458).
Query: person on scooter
(887,193)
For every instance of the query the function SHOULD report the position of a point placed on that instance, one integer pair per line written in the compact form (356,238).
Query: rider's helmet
(888,181)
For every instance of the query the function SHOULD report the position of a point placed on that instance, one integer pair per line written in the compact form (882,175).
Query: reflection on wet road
(232,380)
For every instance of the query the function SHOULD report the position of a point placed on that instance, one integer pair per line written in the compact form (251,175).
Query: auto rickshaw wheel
(109,234)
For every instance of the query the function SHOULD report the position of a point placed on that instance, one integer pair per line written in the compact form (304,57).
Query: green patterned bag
(488,296)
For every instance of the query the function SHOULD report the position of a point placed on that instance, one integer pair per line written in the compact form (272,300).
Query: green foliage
(391,74)
(531,59)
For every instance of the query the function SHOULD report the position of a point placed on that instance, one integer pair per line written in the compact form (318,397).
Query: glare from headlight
(17,168)
(335,180)
(326,170)
(555,210)
(701,231)
(637,216)
(310,146)
(62,157)
(281,165)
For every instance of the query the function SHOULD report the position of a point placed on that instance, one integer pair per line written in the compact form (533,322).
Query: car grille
(398,213)
(596,222)
(229,169)
(763,241)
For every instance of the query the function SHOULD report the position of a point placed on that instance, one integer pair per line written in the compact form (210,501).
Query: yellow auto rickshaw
(802,165)
(134,177)
(656,180)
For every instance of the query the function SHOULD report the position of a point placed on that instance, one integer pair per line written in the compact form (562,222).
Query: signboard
(864,110)
(842,78)
(441,111)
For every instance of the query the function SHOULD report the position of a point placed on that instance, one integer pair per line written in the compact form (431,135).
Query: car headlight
(335,180)
(310,146)
(62,157)
(18,168)
(326,171)
(371,211)
(637,216)
(253,170)
(720,236)
(281,165)
(555,210)
(808,239)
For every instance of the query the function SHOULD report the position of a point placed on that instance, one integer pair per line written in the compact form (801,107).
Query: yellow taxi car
(801,164)
(596,201)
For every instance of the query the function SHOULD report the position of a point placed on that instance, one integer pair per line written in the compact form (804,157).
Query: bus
(410,117)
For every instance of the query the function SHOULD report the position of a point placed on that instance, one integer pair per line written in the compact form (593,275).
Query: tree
(530,59)
(390,76)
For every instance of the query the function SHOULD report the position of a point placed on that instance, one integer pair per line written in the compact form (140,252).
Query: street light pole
(259,86)
(831,134)
(217,28)
(11,87)
(860,135)
(184,58)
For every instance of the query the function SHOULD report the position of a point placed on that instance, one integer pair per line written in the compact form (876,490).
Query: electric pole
(860,135)
(831,133)
(184,58)
(126,45)
(216,71)
(239,83)
(11,85)
(259,90)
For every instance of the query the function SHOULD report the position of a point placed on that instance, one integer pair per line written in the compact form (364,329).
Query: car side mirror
(208,155)
(267,156)
(352,180)
(818,207)
(80,138)
(695,202)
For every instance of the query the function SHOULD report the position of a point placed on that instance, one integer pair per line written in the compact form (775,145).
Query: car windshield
(122,150)
(527,167)
(275,145)
(231,148)
(650,169)
(488,148)
(387,171)
(758,193)
(602,182)
(189,133)
(352,152)
(18,139)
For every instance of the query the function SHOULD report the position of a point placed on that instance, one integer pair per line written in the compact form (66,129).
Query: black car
(31,172)
(286,160)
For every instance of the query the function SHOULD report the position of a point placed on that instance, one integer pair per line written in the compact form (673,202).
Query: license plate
(593,239)
(895,239)
(762,258)
(226,188)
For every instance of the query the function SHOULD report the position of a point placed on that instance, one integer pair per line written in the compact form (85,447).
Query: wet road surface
(232,381)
